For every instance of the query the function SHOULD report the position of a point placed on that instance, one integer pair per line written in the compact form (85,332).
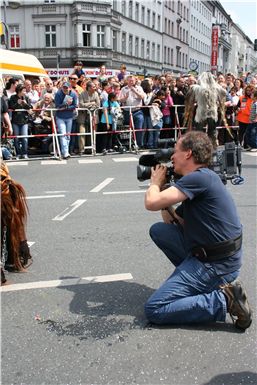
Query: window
(136,46)
(130,10)
(158,51)
(149,18)
(130,45)
(153,21)
(165,54)
(153,51)
(123,43)
(114,40)
(171,56)
(100,36)
(159,23)
(168,59)
(123,7)
(50,35)
(137,12)
(14,31)
(172,29)
(143,15)
(115,5)
(148,50)
(49,1)
(142,48)
(86,32)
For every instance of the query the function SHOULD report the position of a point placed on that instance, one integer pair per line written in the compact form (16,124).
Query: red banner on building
(215,47)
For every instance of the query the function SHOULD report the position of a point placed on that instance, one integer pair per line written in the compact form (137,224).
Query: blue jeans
(74,145)
(251,135)
(21,144)
(64,127)
(153,136)
(138,119)
(191,294)
(146,126)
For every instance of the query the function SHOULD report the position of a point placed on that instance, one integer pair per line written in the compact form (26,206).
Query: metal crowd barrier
(93,121)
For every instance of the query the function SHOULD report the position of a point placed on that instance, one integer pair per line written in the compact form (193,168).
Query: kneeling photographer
(202,238)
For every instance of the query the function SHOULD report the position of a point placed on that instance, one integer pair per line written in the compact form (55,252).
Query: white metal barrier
(93,118)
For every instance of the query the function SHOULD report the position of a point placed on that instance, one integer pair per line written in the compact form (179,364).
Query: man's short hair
(200,144)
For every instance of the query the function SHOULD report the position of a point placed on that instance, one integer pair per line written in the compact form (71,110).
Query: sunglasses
(73,78)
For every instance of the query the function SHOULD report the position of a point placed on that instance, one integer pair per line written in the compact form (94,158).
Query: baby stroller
(122,136)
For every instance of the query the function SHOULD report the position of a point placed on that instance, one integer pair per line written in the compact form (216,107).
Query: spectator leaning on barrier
(132,95)
(243,114)
(6,126)
(107,141)
(74,143)
(88,99)
(178,95)
(20,120)
(43,110)
(66,101)
(251,131)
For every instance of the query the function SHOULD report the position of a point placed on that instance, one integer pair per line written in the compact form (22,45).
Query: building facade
(150,37)
(200,35)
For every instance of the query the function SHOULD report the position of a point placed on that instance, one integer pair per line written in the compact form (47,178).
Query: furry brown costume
(209,97)
(15,253)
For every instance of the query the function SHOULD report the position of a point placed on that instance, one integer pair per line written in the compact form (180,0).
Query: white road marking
(55,192)
(102,185)
(69,210)
(119,160)
(46,196)
(67,282)
(90,161)
(46,162)
(124,192)
(18,163)
(30,243)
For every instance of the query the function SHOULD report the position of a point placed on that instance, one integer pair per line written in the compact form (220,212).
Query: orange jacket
(243,114)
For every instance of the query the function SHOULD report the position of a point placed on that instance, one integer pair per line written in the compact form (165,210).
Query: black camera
(162,155)
(226,162)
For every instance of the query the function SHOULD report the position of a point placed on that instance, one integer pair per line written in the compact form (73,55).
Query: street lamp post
(6,27)
(13,5)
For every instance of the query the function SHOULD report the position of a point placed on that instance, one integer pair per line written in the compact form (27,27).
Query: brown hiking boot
(237,304)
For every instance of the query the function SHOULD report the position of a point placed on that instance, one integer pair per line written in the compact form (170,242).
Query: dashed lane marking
(123,192)
(251,153)
(19,163)
(102,185)
(85,161)
(46,162)
(69,210)
(120,160)
(66,282)
(55,192)
(45,196)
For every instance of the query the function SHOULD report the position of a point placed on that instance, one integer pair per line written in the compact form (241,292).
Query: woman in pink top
(167,113)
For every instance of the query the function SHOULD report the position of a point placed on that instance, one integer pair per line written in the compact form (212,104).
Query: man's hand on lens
(158,175)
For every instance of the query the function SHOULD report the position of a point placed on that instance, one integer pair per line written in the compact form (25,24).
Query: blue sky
(243,13)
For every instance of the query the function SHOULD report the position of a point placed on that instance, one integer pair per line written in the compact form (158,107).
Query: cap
(66,84)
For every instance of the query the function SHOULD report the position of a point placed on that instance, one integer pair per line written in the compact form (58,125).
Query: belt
(221,250)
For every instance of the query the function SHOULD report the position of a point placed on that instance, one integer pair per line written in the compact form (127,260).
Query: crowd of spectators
(151,102)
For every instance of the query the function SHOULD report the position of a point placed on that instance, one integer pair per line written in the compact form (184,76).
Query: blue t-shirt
(106,105)
(210,215)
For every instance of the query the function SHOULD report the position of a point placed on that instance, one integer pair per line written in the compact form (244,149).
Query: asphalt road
(88,220)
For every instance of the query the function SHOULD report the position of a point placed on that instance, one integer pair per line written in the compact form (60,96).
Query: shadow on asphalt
(240,378)
(114,308)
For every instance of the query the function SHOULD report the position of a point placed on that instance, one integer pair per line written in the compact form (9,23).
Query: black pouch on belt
(221,250)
